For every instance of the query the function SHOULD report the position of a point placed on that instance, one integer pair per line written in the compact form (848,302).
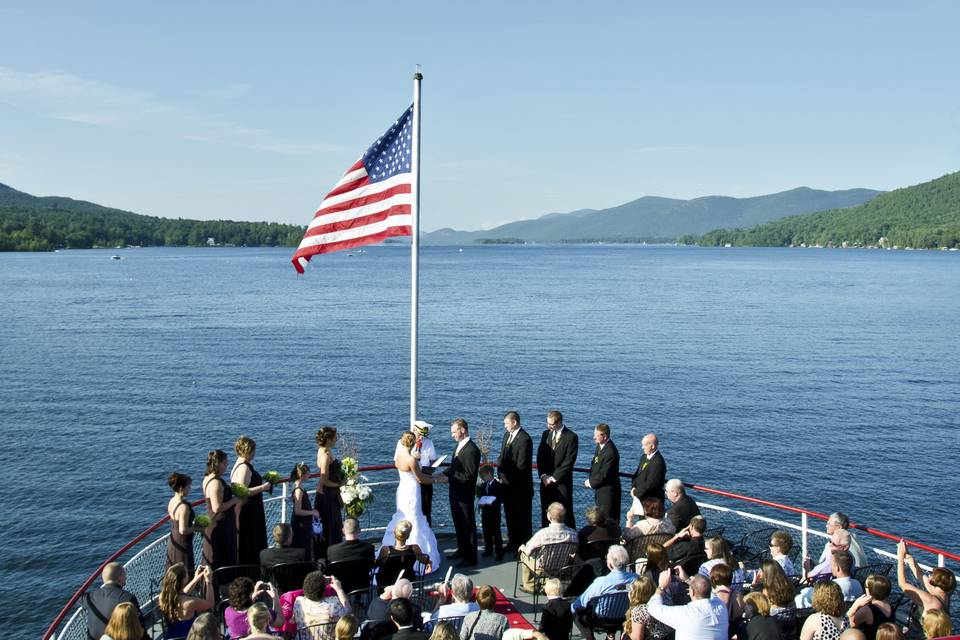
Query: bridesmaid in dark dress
(220,538)
(180,542)
(328,502)
(301,520)
(251,520)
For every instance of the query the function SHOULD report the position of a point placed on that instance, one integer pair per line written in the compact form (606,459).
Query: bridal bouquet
(355,492)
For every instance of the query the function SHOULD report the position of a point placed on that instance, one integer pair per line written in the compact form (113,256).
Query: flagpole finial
(416,74)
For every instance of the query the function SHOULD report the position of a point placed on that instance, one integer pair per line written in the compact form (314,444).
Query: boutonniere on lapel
(644,466)
(596,459)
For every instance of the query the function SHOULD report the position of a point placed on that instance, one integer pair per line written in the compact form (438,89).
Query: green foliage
(28,223)
(924,216)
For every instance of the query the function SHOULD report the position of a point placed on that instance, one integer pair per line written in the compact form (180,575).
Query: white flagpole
(415,246)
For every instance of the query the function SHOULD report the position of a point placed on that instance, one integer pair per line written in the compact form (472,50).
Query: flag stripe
(363,190)
(398,220)
(350,244)
(357,221)
(362,208)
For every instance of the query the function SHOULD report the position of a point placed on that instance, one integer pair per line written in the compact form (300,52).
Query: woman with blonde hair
(638,623)
(258,618)
(400,555)
(444,631)
(759,624)
(177,606)
(327,501)
(937,587)
(889,631)
(936,624)
(251,520)
(220,538)
(346,627)
(205,627)
(124,623)
(828,622)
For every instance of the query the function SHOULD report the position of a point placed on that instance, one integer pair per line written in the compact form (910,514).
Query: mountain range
(654,218)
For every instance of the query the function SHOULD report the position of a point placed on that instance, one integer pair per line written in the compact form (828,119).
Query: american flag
(371,202)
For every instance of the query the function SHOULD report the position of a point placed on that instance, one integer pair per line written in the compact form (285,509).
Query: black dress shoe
(466,563)
(487,553)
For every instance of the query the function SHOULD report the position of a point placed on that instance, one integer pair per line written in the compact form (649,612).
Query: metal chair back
(289,576)
(456,622)
(223,576)
(352,574)
(637,547)
(609,610)
(323,631)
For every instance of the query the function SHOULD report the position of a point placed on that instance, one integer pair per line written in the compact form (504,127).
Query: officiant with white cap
(428,455)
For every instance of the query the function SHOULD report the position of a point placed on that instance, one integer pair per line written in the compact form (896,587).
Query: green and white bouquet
(240,490)
(273,477)
(355,492)
(202,521)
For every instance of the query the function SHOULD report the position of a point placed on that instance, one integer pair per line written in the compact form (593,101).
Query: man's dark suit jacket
(350,550)
(557,462)
(650,476)
(682,511)
(99,604)
(462,473)
(605,479)
(516,463)
(410,634)
(556,620)
(273,556)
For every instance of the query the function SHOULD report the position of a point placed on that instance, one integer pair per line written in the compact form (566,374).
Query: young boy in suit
(490,513)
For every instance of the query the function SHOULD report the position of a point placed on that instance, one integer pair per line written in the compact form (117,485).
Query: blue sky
(252,110)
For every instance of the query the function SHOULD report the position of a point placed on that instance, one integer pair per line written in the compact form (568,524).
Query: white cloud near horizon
(64,96)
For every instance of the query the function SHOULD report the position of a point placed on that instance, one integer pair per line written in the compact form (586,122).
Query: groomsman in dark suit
(651,473)
(556,456)
(462,476)
(515,466)
(605,473)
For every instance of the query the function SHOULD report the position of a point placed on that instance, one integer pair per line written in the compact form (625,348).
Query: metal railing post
(803,538)
(283,505)
(941,561)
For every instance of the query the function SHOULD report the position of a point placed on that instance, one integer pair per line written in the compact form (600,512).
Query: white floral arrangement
(355,492)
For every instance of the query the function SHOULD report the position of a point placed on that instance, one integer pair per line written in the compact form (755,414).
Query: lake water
(828,379)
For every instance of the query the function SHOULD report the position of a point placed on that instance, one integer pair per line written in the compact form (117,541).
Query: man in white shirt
(553,533)
(704,618)
(461,590)
(428,455)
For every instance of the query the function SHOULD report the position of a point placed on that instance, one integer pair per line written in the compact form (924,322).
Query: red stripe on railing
(383,467)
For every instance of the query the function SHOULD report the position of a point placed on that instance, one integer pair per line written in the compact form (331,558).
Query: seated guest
(684,508)
(176,604)
(616,579)
(378,624)
(871,609)
(401,614)
(314,607)
(242,593)
(719,551)
(887,631)
(856,634)
(555,532)
(407,554)
(258,623)
(780,545)
(124,623)
(776,587)
(703,618)
(840,567)
(98,604)
(839,521)
(456,603)
(444,630)
(828,621)
(281,552)
(937,587)
(652,522)
(599,528)
(839,541)
(352,549)
(759,624)
(936,624)
(638,625)
(686,547)
(346,628)
(205,627)
(485,624)
(556,621)
(721,577)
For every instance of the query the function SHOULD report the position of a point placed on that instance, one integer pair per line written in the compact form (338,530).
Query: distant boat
(460,250)
(114,257)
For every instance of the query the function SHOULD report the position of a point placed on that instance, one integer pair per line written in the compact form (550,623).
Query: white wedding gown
(409,508)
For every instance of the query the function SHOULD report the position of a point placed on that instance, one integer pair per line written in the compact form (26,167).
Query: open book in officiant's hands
(436,465)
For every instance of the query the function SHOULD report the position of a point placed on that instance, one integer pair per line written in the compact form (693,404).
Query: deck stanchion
(803,537)
(283,505)
(941,561)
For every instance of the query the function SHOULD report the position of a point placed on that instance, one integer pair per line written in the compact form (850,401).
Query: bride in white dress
(408,501)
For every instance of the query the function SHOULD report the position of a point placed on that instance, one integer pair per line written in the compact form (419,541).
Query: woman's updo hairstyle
(407,439)
(178,481)
(245,447)
(214,458)
(326,435)
(402,531)
(300,471)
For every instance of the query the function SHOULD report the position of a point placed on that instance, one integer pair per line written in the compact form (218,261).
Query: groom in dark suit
(462,477)
(556,456)
(515,467)
(605,473)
